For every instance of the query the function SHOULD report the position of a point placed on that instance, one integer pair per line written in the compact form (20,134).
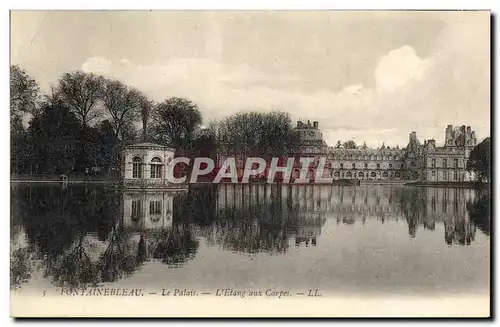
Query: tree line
(81,124)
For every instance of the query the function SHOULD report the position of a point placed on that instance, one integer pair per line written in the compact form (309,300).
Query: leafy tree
(175,121)
(146,106)
(81,92)
(351,144)
(364,146)
(122,104)
(480,159)
(383,146)
(23,92)
(338,145)
(53,136)
(23,95)
(254,132)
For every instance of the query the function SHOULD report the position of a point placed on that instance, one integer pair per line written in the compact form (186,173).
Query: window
(398,175)
(433,173)
(349,174)
(336,174)
(341,166)
(136,208)
(455,163)
(136,167)
(156,167)
(353,166)
(378,166)
(433,163)
(455,175)
(385,174)
(390,166)
(445,163)
(445,175)
(372,174)
(390,157)
(361,175)
(366,165)
(155,207)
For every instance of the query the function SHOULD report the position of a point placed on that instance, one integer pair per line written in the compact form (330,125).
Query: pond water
(339,240)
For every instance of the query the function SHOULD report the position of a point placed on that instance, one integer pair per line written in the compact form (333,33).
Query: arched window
(155,167)
(398,175)
(361,174)
(136,167)
(385,174)
(336,174)
(372,174)
(348,175)
(390,157)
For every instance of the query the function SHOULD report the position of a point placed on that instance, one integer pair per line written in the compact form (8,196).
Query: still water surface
(340,240)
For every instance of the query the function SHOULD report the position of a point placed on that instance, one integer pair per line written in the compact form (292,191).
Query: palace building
(448,163)
(365,164)
(417,162)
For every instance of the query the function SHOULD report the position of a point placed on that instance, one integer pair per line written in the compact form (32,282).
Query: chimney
(308,122)
(315,124)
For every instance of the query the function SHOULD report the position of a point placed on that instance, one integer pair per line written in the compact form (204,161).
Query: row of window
(353,166)
(154,207)
(365,157)
(444,163)
(155,167)
(362,174)
(446,175)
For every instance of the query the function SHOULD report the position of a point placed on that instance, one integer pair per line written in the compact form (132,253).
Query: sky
(371,77)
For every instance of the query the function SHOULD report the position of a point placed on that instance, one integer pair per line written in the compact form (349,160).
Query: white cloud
(408,94)
(399,67)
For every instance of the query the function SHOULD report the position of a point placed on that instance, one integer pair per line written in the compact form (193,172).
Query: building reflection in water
(89,235)
(275,213)
(149,218)
(143,211)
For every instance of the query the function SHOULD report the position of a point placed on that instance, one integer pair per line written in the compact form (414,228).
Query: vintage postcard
(250,164)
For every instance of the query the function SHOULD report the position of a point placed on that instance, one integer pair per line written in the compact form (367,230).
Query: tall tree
(23,96)
(480,159)
(146,106)
(23,91)
(350,145)
(364,146)
(338,145)
(54,140)
(81,92)
(175,121)
(122,104)
(252,132)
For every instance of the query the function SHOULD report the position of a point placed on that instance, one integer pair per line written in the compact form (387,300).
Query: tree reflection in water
(174,246)
(83,235)
(480,212)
